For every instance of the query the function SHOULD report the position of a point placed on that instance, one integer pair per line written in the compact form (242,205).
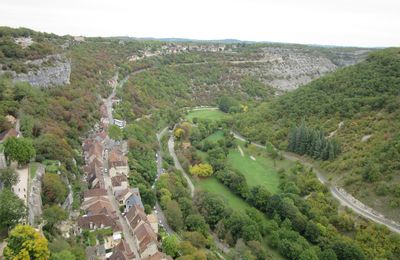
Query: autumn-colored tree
(179,133)
(201,170)
(54,190)
(24,242)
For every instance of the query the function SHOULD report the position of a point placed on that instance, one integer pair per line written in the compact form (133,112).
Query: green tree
(196,222)
(8,177)
(173,214)
(115,133)
(12,209)
(24,242)
(53,215)
(63,255)
(170,245)
(347,250)
(20,150)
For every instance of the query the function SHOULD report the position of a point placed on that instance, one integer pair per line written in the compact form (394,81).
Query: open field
(260,171)
(212,185)
(206,114)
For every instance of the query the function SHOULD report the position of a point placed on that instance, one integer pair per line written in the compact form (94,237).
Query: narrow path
(171,148)
(343,197)
(241,151)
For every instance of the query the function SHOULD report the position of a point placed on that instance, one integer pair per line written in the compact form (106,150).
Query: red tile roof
(95,193)
(98,221)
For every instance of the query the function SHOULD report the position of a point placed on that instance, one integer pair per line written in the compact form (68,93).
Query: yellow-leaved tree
(25,243)
(201,170)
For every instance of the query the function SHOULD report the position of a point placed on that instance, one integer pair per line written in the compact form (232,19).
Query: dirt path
(241,151)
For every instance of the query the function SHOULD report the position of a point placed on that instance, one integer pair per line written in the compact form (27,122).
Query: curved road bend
(342,197)
(171,148)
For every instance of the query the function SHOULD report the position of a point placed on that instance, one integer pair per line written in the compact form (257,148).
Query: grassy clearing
(212,185)
(214,137)
(261,171)
(206,114)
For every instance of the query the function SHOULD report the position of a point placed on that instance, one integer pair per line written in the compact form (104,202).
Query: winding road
(343,197)
(171,148)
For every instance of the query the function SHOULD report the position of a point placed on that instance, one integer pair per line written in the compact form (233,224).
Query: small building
(92,193)
(119,182)
(118,168)
(129,197)
(120,123)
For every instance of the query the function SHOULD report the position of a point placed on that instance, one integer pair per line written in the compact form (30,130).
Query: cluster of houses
(100,216)
(174,48)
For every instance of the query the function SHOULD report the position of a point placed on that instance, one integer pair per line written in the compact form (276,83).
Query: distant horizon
(339,23)
(226,41)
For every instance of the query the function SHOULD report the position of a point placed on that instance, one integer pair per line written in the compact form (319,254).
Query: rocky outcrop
(287,68)
(54,70)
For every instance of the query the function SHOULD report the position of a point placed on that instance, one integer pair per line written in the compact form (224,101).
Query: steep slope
(359,107)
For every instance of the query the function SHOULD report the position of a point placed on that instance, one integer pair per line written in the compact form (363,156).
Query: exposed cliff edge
(54,70)
(288,68)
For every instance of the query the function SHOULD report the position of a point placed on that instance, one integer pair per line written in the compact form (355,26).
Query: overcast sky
(340,22)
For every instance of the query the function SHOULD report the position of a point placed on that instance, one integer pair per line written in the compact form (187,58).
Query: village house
(146,238)
(95,151)
(146,241)
(122,252)
(119,182)
(128,198)
(93,193)
(97,206)
(94,174)
(153,221)
(95,223)
(118,163)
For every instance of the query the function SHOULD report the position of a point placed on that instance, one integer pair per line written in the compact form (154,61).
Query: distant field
(212,185)
(206,114)
(260,171)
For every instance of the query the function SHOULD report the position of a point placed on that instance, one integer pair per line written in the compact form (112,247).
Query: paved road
(338,193)
(160,214)
(171,148)
(128,236)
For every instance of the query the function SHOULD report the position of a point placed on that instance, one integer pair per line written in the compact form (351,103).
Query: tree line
(310,141)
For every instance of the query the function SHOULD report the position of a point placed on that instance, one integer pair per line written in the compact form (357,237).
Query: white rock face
(287,68)
(56,74)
